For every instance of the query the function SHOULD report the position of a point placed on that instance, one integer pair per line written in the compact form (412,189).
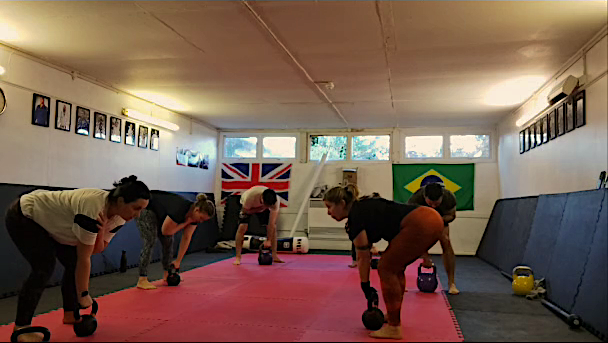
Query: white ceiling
(403,63)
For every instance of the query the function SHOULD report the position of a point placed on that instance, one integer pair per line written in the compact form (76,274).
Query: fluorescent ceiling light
(514,91)
(2,70)
(149,119)
(7,32)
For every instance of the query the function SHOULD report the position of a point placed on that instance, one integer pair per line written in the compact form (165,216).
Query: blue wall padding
(572,246)
(547,220)
(514,244)
(591,302)
(501,219)
(126,239)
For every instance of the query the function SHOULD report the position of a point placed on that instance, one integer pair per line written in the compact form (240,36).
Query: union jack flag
(239,177)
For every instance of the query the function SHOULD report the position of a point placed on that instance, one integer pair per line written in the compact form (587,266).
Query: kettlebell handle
(420,269)
(522,269)
(94,309)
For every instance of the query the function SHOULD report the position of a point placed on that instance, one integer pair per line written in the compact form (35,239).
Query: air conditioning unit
(563,89)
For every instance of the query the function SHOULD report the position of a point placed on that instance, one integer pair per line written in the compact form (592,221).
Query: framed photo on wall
(129,133)
(41,110)
(551,127)
(143,137)
(115,129)
(527,138)
(154,139)
(83,121)
(544,128)
(522,142)
(532,136)
(579,109)
(100,125)
(560,120)
(539,133)
(569,115)
(63,115)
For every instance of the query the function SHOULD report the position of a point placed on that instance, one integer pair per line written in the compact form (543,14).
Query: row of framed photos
(41,114)
(556,122)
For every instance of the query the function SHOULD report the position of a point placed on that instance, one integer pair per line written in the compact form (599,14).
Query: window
(371,148)
(424,147)
(279,147)
(470,146)
(240,147)
(335,146)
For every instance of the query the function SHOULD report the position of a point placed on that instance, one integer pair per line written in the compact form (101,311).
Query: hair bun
(126,180)
(201,197)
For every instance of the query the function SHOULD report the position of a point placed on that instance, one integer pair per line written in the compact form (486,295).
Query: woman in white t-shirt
(70,226)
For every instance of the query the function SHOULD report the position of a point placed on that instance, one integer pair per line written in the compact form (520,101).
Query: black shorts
(244,218)
(262,217)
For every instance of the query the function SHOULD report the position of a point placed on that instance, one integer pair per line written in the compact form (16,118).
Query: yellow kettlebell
(523,280)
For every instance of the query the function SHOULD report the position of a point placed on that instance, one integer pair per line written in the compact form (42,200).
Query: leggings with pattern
(149,230)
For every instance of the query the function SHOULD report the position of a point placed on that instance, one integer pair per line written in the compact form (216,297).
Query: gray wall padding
(545,228)
(572,246)
(514,245)
(591,301)
(127,239)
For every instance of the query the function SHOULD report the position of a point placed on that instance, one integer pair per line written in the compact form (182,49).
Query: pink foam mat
(308,298)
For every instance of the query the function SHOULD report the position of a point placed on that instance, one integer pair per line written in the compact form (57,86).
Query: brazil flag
(458,178)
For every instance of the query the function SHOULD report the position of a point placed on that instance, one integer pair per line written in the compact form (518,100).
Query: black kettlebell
(427,282)
(374,263)
(265,256)
(173,279)
(31,329)
(87,326)
(373,318)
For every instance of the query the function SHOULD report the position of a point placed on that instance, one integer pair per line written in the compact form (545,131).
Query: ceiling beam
(384,10)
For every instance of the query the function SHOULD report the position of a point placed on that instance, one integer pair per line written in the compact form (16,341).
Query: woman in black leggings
(70,226)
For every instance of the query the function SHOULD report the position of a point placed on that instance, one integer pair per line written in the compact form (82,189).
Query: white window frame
(349,144)
(446,133)
(259,147)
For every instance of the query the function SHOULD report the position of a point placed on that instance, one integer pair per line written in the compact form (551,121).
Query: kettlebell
(173,279)
(373,318)
(88,324)
(523,280)
(427,282)
(265,256)
(31,329)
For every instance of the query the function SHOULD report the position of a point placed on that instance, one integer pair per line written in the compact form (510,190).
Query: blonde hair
(349,194)
(204,205)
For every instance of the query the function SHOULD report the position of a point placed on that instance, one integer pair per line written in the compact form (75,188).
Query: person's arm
(83,272)
(184,244)
(272,226)
(100,243)
(170,227)
(449,216)
(364,255)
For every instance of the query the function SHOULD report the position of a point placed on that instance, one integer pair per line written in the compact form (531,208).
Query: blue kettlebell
(265,256)
(427,282)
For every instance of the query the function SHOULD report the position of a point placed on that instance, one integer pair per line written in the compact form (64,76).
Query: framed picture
(100,125)
(551,124)
(115,127)
(142,141)
(532,136)
(527,138)
(522,142)
(569,115)
(560,120)
(63,115)
(579,109)
(41,110)
(543,129)
(154,139)
(129,133)
(83,121)
(539,133)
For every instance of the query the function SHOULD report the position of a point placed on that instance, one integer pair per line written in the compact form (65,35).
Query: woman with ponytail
(410,231)
(167,214)
(69,226)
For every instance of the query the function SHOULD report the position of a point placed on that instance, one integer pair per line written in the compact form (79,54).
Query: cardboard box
(349,176)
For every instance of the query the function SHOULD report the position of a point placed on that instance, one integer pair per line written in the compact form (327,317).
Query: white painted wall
(37,155)
(466,230)
(571,162)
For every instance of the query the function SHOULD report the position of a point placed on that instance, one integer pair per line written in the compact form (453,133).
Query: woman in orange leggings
(410,231)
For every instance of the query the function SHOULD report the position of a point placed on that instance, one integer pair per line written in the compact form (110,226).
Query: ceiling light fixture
(149,119)
(2,70)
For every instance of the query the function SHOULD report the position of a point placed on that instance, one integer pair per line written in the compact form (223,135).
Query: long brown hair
(349,194)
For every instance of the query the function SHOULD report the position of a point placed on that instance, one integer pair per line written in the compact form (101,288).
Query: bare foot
(453,290)
(353,265)
(68,317)
(29,337)
(237,262)
(388,332)
(278,260)
(145,284)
